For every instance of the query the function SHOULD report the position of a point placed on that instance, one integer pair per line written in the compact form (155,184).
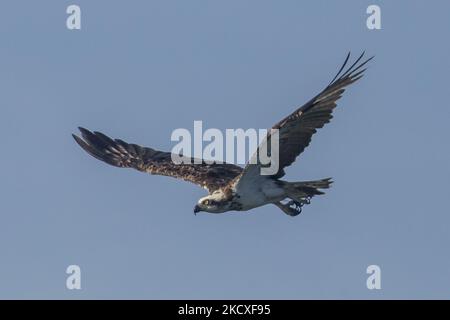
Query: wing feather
(121,154)
(296,130)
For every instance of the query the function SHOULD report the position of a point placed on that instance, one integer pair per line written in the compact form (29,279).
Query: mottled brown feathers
(121,154)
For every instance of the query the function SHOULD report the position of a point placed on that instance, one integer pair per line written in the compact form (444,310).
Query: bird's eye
(209,202)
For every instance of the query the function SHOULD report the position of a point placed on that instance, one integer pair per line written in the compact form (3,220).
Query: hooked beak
(197,209)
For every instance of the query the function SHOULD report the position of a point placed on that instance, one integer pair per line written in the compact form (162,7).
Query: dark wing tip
(342,68)
(353,70)
(77,138)
(94,145)
(80,142)
(83,130)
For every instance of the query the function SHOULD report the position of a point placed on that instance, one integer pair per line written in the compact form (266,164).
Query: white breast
(260,191)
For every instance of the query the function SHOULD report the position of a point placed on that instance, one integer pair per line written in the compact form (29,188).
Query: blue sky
(138,70)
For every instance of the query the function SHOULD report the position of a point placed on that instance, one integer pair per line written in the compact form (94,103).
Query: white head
(216,202)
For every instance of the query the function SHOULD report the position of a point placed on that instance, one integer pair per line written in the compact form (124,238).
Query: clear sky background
(139,69)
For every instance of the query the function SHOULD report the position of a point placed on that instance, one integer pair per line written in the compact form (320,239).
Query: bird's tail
(302,190)
(300,194)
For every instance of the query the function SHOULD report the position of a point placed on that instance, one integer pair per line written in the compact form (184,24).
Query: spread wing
(296,130)
(125,155)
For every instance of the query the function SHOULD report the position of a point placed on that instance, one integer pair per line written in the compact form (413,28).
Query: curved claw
(293,208)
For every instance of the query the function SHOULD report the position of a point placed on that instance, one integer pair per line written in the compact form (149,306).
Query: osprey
(232,187)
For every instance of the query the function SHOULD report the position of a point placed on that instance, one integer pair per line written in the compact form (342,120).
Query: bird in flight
(231,187)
